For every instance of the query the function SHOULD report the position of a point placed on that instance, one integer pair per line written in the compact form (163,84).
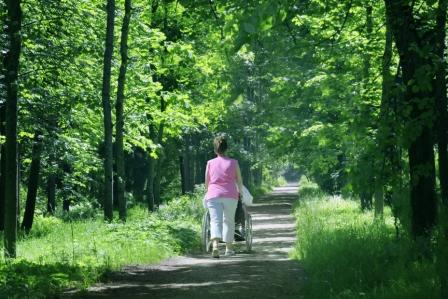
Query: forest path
(266,272)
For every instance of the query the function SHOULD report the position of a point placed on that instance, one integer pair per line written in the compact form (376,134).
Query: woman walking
(222,177)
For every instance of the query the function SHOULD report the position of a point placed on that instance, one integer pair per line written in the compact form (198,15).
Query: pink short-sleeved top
(222,178)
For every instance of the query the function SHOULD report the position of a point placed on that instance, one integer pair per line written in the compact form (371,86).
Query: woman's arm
(206,177)
(239,179)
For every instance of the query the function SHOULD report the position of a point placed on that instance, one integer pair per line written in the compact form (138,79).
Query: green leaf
(249,27)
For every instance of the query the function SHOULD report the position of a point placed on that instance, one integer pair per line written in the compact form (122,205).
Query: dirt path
(267,272)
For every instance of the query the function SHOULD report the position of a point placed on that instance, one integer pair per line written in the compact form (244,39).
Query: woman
(222,176)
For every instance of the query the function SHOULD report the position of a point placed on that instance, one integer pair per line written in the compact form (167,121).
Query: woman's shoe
(215,253)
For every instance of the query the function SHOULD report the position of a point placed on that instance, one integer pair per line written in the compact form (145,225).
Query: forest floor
(265,272)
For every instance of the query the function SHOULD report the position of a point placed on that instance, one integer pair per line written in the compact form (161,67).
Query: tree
(107,113)
(33,181)
(384,123)
(441,98)
(411,39)
(119,153)
(13,27)
(442,125)
(2,165)
(2,116)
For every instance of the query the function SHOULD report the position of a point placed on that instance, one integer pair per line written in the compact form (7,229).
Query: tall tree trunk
(383,124)
(139,174)
(2,167)
(119,154)
(182,174)
(2,114)
(420,100)
(378,194)
(158,169)
(157,180)
(199,174)
(441,96)
(108,158)
(33,183)
(442,126)
(66,205)
(13,27)
(149,192)
(151,168)
(159,161)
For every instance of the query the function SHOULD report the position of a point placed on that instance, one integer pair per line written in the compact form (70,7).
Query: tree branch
(337,35)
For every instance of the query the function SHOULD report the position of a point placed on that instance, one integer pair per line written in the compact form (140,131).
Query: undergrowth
(59,254)
(349,255)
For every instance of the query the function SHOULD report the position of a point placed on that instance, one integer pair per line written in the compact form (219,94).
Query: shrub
(77,252)
(348,255)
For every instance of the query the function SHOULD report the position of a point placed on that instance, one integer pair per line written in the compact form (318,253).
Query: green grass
(349,255)
(61,254)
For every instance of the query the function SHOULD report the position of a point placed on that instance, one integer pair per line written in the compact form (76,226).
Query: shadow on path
(267,272)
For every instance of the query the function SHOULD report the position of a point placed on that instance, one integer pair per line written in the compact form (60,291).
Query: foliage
(58,254)
(305,85)
(348,255)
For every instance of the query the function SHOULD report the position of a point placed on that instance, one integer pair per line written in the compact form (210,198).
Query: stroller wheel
(205,236)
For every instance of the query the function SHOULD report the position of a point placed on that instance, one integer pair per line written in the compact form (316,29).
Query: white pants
(222,218)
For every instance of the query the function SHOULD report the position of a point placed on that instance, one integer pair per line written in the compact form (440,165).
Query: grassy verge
(348,255)
(63,254)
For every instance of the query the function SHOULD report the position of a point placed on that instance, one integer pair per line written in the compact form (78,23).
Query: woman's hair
(220,144)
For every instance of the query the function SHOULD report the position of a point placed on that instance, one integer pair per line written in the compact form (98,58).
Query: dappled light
(259,272)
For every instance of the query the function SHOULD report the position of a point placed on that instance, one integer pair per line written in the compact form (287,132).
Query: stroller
(243,228)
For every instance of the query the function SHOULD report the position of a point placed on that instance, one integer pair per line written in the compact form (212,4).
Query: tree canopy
(117,102)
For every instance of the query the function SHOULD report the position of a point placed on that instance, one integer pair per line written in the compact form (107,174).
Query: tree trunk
(420,100)
(199,174)
(378,193)
(423,197)
(442,127)
(139,174)
(379,199)
(13,27)
(182,174)
(51,194)
(151,168)
(66,205)
(2,116)
(158,163)
(366,200)
(157,179)
(441,97)
(2,167)
(108,158)
(149,191)
(119,154)
(383,124)
(33,183)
